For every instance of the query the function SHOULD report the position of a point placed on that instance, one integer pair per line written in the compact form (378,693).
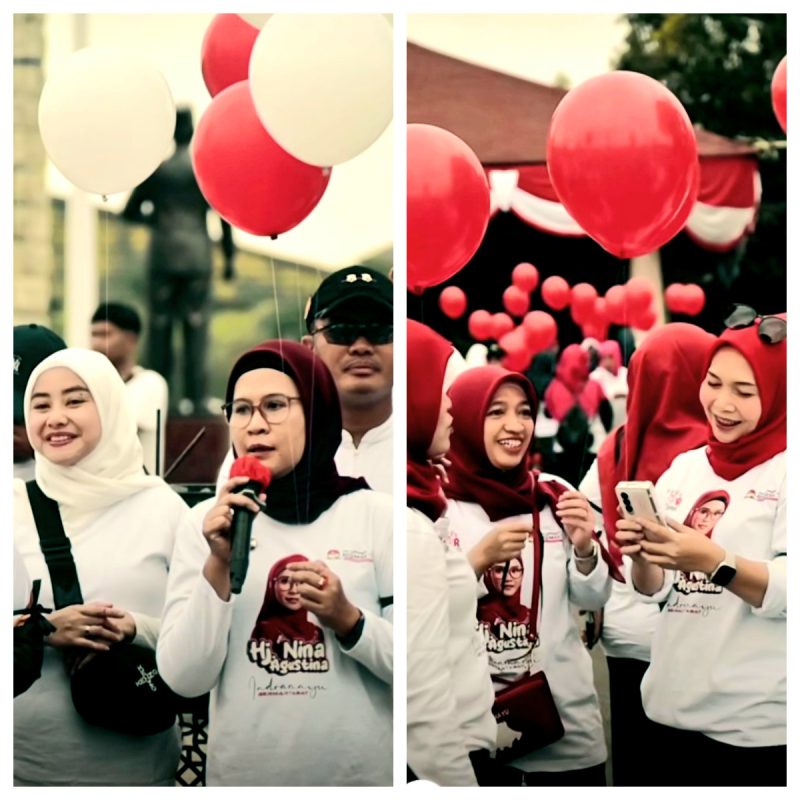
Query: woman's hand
(441,464)
(321,591)
(94,626)
(575,514)
(504,541)
(217,523)
(629,537)
(676,546)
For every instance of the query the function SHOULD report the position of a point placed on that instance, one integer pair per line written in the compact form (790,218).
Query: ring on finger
(321,583)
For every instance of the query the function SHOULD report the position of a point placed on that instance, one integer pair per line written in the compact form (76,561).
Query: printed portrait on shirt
(501,613)
(707,511)
(284,639)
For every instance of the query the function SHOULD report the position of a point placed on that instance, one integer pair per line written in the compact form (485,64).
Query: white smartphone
(638,499)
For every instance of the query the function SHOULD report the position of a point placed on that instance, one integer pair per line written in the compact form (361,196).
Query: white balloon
(322,83)
(256,20)
(107,118)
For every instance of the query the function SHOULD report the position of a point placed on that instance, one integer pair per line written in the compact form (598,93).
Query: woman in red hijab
(492,493)
(717,678)
(664,418)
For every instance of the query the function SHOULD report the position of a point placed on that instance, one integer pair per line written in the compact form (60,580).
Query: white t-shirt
(718,664)
(288,712)
(147,392)
(628,623)
(561,654)
(616,390)
(372,459)
(123,557)
(450,693)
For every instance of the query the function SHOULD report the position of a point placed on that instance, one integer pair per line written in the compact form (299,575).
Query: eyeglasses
(285,580)
(348,332)
(499,569)
(274,409)
(771,330)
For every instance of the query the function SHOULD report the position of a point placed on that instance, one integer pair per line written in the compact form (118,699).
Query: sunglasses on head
(771,330)
(348,332)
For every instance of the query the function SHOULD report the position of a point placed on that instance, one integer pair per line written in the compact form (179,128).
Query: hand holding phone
(638,499)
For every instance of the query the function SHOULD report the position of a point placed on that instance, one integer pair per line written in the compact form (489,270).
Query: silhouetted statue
(179,265)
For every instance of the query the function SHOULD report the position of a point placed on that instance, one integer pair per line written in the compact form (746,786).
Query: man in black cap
(350,326)
(115,333)
(32,345)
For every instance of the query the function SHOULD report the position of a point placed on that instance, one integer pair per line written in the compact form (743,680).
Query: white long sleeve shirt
(561,654)
(123,557)
(288,714)
(450,693)
(628,623)
(718,664)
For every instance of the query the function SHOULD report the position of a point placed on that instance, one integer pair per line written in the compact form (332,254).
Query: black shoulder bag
(120,690)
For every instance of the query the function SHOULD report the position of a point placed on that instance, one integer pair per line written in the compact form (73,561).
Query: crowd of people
(298,664)
(691,609)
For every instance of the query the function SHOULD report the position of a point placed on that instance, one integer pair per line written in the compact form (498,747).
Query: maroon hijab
(768,362)
(665,417)
(314,485)
(275,621)
(428,354)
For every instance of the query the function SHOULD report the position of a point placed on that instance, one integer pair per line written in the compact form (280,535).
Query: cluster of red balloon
(261,155)
(689,298)
(778,91)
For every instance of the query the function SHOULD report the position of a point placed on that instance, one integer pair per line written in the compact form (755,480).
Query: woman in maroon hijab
(717,678)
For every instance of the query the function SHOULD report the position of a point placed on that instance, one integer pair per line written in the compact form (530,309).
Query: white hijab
(111,472)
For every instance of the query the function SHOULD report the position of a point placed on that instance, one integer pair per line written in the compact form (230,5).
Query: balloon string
(107,262)
(310,442)
(283,360)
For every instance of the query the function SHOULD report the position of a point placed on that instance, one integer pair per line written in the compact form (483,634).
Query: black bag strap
(55,546)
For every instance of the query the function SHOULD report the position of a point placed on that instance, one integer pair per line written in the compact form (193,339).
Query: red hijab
(768,362)
(497,607)
(472,476)
(275,621)
(428,354)
(314,485)
(610,347)
(572,385)
(665,417)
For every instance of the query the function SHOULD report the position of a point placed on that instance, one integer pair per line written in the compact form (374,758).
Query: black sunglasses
(771,330)
(348,332)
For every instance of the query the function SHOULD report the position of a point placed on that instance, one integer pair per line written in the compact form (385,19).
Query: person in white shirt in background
(311,706)
(115,333)
(664,418)
(32,344)
(716,684)
(613,377)
(450,726)
(491,488)
(121,524)
(349,323)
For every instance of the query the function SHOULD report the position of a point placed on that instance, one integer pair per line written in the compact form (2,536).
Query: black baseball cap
(32,345)
(368,292)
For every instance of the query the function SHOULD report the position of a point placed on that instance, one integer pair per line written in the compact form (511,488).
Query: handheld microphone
(242,522)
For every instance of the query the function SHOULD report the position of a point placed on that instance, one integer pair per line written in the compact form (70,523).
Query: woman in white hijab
(121,524)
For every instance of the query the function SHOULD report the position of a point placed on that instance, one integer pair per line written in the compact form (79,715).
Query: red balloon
(556,292)
(518,362)
(694,299)
(616,305)
(501,325)
(448,205)
(673,298)
(779,93)
(246,177)
(514,342)
(525,276)
(645,320)
(622,157)
(481,325)
(638,292)
(583,297)
(595,329)
(453,302)
(581,315)
(225,53)
(541,330)
(600,312)
(516,301)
